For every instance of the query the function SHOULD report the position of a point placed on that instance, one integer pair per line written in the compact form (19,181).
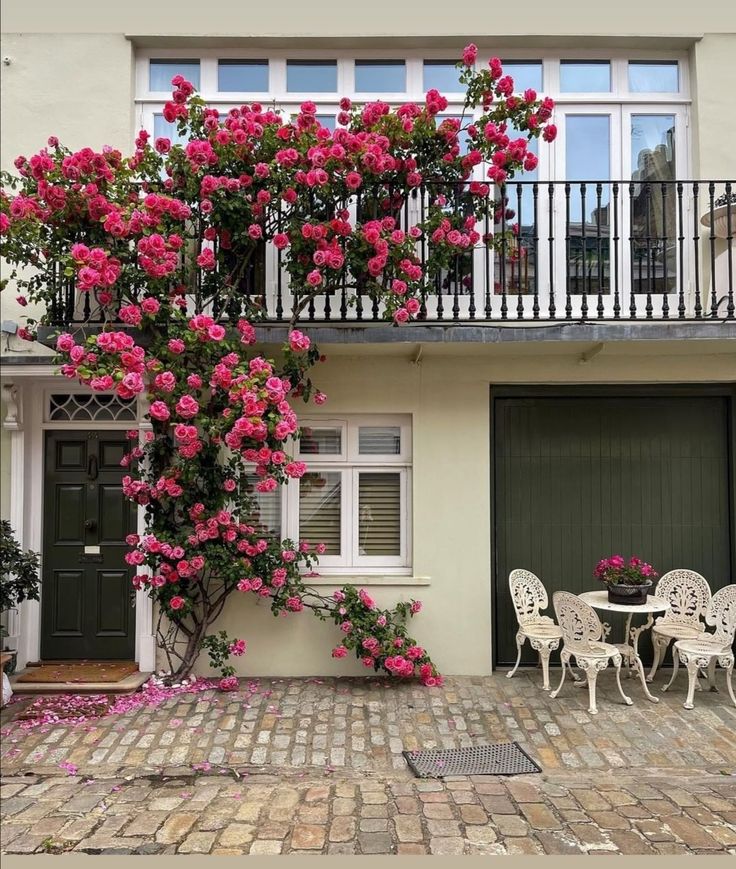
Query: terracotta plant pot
(628,594)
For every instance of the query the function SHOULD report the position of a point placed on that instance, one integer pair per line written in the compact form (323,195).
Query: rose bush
(162,248)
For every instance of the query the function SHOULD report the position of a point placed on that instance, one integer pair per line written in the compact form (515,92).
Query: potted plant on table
(628,582)
(19,581)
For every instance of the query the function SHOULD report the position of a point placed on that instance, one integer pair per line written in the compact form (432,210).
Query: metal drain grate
(503,758)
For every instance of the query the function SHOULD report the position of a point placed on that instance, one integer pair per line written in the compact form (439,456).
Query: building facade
(554,403)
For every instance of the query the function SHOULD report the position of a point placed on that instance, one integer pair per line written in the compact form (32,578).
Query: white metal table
(630,647)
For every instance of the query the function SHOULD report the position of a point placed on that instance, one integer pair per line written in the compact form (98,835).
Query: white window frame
(349,465)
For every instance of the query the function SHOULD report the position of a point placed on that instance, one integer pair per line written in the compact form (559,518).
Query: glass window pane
(167,130)
(320,509)
(653,209)
(587,158)
(311,76)
(242,75)
(315,441)
(327,121)
(585,76)
(266,512)
(379,440)
(648,77)
(525,73)
(379,517)
(442,75)
(162,71)
(380,76)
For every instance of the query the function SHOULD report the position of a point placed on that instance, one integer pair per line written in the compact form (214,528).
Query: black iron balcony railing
(639,250)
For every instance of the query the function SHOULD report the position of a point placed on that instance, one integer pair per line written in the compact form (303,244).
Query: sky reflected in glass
(584,77)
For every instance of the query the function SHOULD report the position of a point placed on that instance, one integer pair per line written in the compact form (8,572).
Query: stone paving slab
(315,766)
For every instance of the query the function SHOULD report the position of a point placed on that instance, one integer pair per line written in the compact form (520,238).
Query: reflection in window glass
(311,76)
(379,514)
(320,509)
(266,512)
(377,440)
(585,76)
(167,130)
(525,73)
(162,71)
(654,78)
(520,265)
(587,158)
(327,121)
(442,75)
(320,441)
(242,75)
(653,208)
(380,76)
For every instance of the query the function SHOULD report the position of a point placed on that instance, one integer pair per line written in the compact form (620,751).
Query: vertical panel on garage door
(580,478)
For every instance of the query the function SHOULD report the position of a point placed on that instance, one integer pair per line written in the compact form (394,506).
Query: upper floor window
(380,76)
(311,76)
(249,76)
(162,71)
(585,76)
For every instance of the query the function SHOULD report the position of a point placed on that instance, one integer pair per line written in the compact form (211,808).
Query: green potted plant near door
(19,581)
(628,582)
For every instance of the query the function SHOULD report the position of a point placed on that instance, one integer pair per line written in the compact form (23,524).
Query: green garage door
(580,478)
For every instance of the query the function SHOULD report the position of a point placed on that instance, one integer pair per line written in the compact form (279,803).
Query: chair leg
(692,678)
(565,664)
(519,643)
(617,664)
(675,668)
(712,675)
(660,644)
(729,676)
(592,679)
(544,654)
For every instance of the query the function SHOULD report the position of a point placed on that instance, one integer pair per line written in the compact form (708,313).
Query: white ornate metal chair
(688,595)
(581,633)
(709,648)
(530,598)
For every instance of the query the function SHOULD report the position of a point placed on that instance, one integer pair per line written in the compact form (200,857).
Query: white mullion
(208,73)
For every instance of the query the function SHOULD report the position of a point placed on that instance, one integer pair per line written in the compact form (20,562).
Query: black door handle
(90,524)
(92,468)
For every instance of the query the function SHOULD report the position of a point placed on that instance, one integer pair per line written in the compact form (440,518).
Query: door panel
(578,479)
(87,597)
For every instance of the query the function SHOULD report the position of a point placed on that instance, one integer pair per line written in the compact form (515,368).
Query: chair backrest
(688,594)
(579,622)
(722,614)
(528,594)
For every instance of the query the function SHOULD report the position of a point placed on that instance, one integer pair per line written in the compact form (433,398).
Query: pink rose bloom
(320,398)
(288,555)
(176,345)
(346,627)
(228,683)
(187,407)
(176,602)
(159,411)
(366,599)
(338,596)
(339,652)
(416,605)
(150,306)
(470,53)
(237,648)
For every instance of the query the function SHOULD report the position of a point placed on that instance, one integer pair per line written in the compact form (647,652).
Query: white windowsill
(336,580)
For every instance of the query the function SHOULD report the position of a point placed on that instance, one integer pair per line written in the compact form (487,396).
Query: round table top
(599,601)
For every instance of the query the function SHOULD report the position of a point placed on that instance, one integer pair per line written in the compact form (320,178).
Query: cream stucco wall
(70,73)
(448,397)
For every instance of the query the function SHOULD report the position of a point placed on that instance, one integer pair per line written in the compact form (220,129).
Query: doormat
(74,672)
(503,758)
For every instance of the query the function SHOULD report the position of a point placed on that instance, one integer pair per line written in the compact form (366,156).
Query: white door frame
(25,391)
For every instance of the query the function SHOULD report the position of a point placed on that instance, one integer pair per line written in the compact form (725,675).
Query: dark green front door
(579,478)
(87,601)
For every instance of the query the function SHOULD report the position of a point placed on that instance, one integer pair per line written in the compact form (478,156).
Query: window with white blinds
(379,513)
(355,497)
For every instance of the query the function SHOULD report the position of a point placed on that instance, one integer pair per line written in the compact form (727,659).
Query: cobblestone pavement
(315,766)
